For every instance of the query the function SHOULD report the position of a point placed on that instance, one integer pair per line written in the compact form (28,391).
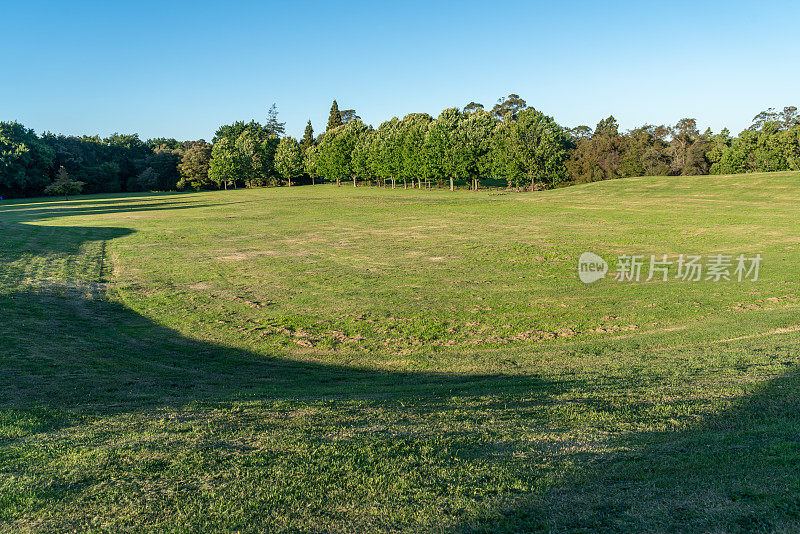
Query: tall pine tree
(273,127)
(308,137)
(335,118)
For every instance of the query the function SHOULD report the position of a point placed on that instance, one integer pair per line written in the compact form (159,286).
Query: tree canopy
(513,143)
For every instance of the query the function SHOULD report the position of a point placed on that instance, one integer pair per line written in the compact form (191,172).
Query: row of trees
(510,143)
(467,146)
(30,163)
(771,143)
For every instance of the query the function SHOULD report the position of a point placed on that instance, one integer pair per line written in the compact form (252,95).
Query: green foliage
(531,148)
(469,146)
(289,159)
(334,118)
(146,181)
(64,185)
(476,132)
(224,166)
(25,161)
(308,137)
(772,148)
(194,167)
(386,151)
(243,153)
(472,107)
(769,144)
(272,127)
(414,162)
(360,162)
(599,156)
(645,152)
(165,163)
(311,162)
(251,155)
(786,119)
(348,115)
(687,149)
(510,106)
(334,160)
(443,147)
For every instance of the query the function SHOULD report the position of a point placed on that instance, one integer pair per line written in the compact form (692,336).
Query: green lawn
(359,360)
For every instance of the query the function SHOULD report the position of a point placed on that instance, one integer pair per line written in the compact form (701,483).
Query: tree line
(511,144)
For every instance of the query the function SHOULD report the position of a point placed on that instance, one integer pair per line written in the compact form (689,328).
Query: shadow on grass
(67,355)
(739,472)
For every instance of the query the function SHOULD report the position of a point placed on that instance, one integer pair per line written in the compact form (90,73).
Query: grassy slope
(339,359)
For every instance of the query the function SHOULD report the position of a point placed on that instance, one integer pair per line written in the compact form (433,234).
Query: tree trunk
(354,181)
(338,182)
(533,183)
(312,181)
(452,187)
(405,185)
(392,182)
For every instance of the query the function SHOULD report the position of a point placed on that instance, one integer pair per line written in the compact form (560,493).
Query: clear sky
(180,69)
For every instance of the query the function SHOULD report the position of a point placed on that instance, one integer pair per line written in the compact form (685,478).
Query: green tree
(442,146)
(361,164)
(233,131)
(720,143)
(511,105)
(250,158)
(386,151)
(687,149)
(598,157)
(349,115)
(414,163)
(644,152)
(272,126)
(308,136)
(246,155)
(25,162)
(64,185)
(310,162)
(334,118)
(786,119)
(579,133)
(532,147)
(475,137)
(472,107)
(336,150)
(289,159)
(164,162)
(193,167)
(147,180)
(224,166)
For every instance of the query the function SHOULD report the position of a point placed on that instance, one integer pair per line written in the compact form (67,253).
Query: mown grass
(323,359)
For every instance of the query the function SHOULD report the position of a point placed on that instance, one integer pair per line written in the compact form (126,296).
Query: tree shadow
(737,472)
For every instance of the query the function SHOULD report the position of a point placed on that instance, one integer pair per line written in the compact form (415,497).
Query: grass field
(359,360)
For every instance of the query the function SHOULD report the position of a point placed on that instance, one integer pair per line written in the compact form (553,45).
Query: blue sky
(180,69)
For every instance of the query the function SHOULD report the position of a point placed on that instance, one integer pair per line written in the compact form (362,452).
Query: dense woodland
(511,145)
